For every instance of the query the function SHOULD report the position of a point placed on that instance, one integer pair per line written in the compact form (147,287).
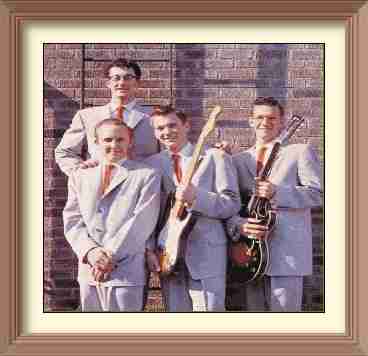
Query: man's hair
(269,101)
(112,122)
(165,110)
(123,63)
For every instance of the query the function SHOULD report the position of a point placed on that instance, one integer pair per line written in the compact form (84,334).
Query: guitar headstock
(294,123)
(211,124)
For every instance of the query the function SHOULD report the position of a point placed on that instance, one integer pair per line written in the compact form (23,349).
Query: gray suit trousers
(121,299)
(275,294)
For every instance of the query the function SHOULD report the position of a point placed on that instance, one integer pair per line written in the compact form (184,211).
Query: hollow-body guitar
(249,257)
(180,220)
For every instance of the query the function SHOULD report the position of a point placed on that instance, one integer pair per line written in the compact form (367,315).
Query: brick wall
(194,77)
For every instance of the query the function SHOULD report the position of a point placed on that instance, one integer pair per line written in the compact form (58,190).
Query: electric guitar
(181,221)
(249,257)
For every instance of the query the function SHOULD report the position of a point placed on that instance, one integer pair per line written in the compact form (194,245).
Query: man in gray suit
(199,283)
(111,211)
(122,78)
(293,188)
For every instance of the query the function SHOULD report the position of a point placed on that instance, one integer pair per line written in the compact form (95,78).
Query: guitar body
(170,239)
(248,259)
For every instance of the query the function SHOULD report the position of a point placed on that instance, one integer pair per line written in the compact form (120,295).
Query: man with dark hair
(199,283)
(293,188)
(110,214)
(122,78)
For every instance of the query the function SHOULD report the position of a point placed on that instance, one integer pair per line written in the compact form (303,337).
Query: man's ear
(251,122)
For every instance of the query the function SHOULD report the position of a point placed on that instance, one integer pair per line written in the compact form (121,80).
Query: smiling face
(171,131)
(267,122)
(114,142)
(123,84)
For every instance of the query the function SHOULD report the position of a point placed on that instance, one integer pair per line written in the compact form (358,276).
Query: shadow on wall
(272,71)
(189,83)
(60,286)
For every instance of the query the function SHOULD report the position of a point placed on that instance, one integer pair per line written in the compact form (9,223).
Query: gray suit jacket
(121,220)
(217,199)
(296,173)
(81,130)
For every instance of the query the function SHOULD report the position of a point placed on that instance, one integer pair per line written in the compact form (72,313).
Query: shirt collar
(115,164)
(268,145)
(128,106)
(186,150)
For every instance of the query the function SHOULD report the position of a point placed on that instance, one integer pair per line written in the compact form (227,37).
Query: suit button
(101,210)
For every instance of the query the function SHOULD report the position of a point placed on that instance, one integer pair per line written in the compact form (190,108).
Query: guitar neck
(179,206)
(193,162)
(268,166)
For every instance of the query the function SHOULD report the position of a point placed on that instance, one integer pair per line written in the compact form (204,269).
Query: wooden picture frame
(354,341)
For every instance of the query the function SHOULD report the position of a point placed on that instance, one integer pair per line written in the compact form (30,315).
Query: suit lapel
(134,116)
(167,168)
(120,176)
(251,161)
(93,180)
(106,112)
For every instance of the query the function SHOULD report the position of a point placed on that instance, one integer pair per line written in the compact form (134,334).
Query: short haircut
(112,122)
(123,63)
(269,101)
(165,110)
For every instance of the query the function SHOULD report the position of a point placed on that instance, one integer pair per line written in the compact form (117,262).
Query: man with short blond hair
(110,214)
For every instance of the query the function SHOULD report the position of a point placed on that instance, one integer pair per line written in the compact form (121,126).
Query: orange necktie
(178,172)
(119,112)
(106,179)
(260,158)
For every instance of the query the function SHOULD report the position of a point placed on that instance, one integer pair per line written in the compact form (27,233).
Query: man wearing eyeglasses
(122,78)
(293,188)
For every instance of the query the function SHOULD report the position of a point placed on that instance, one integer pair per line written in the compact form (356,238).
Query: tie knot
(109,167)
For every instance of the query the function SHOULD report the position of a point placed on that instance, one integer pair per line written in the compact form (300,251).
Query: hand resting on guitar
(186,194)
(253,228)
(264,188)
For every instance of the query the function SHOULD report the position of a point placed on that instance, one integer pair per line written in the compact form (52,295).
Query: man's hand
(152,261)
(99,275)
(225,146)
(101,258)
(186,194)
(264,188)
(90,163)
(253,228)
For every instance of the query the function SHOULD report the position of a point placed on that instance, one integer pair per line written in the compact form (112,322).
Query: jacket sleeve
(75,229)
(307,192)
(224,200)
(68,152)
(132,236)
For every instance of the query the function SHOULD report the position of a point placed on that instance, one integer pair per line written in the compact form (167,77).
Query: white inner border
(34,34)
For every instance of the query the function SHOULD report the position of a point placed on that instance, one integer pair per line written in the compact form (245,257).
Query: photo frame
(354,341)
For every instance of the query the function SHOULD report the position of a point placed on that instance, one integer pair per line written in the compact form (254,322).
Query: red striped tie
(260,158)
(106,179)
(177,168)
(119,113)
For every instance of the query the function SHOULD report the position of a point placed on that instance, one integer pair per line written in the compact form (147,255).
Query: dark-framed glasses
(125,77)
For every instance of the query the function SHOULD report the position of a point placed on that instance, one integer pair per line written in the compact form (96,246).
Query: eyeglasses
(125,77)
